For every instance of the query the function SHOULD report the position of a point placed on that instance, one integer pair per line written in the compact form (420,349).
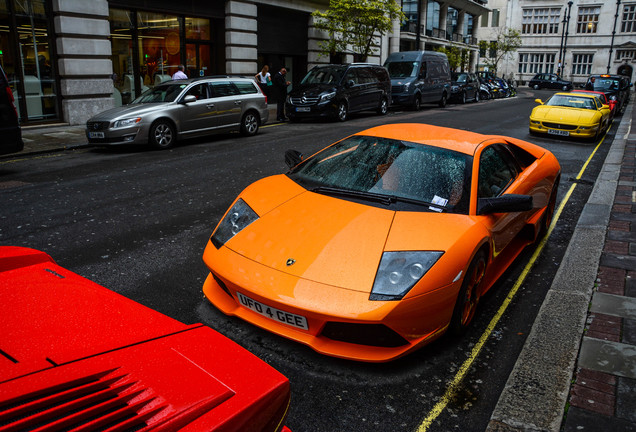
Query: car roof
(458,140)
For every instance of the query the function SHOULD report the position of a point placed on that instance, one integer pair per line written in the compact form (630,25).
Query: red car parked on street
(77,356)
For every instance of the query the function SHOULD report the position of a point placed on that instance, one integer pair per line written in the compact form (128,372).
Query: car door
(227,103)
(370,88)
(198,116)
(354,90)
(496,173)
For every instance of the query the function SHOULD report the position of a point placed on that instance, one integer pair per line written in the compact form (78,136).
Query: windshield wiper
(374,197)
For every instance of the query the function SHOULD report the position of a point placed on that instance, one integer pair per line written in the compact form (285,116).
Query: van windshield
(402,69)
(324,75)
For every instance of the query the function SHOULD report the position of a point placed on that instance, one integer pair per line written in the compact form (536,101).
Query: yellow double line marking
(453,386)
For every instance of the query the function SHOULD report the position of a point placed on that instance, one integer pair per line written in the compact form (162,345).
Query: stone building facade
(70,59)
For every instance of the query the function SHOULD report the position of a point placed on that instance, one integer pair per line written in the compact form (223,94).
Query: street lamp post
(565,16)
(567,31)
(609,60)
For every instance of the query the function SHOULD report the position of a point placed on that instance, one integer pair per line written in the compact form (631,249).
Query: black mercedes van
(338,90)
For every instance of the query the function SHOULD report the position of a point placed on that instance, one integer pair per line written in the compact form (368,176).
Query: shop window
(26,55)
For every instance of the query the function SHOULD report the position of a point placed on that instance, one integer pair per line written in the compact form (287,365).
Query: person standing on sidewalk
(180,74)
(280,84)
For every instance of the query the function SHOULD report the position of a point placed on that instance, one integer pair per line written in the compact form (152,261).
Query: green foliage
(508,41)
(354,25)
(457,57)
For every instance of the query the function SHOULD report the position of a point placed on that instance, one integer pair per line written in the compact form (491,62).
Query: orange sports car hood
(330,240)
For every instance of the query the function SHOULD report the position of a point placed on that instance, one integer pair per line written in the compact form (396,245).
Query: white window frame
(587,19)
(534,63)
(628,18)
(582,63)
(543,20)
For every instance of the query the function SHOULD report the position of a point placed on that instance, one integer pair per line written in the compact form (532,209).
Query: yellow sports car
(570,114)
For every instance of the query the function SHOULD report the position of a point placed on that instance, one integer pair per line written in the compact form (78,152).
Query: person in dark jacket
(280,84)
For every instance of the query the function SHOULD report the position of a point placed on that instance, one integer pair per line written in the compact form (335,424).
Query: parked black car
(549,81)
(10,131)
(337,90)
(464,86)
(615,87)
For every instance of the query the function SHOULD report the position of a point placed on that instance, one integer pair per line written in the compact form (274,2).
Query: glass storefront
(26,56)
(148,47)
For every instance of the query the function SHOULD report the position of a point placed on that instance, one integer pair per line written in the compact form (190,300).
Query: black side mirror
(293,158)
(350,83)
(509,203)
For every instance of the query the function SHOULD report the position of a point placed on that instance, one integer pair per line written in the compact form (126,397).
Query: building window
(582,64)
(492,49)
(628,24)
(540,21)
(622,55)
(410,8)
(484,19)
(495,18)
(532,63)
(587,20)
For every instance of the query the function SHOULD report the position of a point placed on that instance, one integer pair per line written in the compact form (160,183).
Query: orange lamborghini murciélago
(381,242)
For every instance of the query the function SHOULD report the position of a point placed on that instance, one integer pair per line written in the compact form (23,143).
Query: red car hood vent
(108,401)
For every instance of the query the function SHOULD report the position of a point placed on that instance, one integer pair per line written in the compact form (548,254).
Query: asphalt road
(137,221)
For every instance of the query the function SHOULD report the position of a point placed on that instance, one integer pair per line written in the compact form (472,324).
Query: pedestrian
(263,79)
(280,84)
(180,74)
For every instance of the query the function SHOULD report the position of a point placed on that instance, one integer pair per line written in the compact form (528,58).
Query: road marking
(28,158)
(453,386)
(272,125)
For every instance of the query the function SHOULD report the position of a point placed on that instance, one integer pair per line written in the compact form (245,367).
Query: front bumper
(562,129)
(328,109)
(103,135)
(348,325)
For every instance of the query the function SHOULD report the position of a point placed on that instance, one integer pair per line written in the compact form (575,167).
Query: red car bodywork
(74,354)
(610,102)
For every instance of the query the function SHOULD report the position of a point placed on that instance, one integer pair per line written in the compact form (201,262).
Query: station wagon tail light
(126,122)
(400,271)
(236,219)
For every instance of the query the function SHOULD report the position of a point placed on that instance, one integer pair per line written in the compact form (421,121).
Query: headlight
(399,272)
(239,216)
(327,97)
(454,88)
(126,122)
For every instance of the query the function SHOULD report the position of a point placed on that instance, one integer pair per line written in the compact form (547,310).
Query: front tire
(343,111)
(249,124)
(468,297)
(417,102)
(162,135)
(384,107)
(477,96)
(443,101)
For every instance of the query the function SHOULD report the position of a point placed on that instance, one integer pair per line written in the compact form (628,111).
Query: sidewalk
(577,370)
(61,136)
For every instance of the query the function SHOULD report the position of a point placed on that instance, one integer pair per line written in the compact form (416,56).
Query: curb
(535,395)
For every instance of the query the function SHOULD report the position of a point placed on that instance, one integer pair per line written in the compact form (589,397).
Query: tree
(457,57)
(508,41)
(354,25)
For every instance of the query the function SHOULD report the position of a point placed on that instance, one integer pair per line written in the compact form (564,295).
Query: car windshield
(571,101)
(402,69)
(603,84)
(161,93)
(390,171)
(460,77)
(324,75)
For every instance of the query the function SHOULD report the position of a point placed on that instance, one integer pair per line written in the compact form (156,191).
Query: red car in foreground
(77,356)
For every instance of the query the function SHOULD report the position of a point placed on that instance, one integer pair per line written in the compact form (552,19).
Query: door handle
(211,105)
(238,102)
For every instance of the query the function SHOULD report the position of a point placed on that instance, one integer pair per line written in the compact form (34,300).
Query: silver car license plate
(96,134)
(558,132)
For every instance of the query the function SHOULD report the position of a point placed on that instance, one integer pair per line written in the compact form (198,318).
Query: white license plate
(96,134)
(273,313)
(558,132)
(303,109)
